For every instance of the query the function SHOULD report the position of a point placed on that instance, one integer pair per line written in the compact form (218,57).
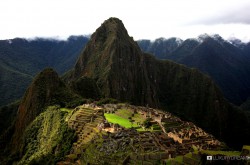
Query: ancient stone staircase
(84,121)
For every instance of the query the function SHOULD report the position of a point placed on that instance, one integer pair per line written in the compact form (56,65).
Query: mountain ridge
(22,59)
(226,63)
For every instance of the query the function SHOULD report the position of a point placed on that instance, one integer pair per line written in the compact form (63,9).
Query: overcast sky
(144,19)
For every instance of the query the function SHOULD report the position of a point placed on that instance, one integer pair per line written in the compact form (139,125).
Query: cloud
(229,16)
(142,18)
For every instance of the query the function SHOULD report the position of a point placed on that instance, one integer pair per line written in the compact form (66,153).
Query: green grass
(194,148)
(178,159)
(246,147)
(189,155)
(124,113)
(113,118)
(226,153)
(138,118)
(65,109)
(156,127)
(141,129)
(121,117)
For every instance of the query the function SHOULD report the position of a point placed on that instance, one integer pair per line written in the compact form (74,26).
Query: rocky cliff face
(120,70)
(114,61)
(46,89)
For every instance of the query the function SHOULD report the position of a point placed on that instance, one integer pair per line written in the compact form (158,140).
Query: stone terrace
(84,121)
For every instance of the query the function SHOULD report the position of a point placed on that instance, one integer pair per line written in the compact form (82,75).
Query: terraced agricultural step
(87,110)
(87,117)
(91,125)
(80,126)
(98,119)
(84,116)
(85,130)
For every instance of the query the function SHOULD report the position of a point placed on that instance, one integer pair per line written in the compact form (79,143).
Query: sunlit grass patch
(113,118)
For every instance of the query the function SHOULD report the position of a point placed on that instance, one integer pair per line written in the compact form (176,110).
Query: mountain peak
(112,28)
(112,59)
(109,43)
(113,20)
(205,37)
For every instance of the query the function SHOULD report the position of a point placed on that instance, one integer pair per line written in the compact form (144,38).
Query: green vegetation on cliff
(47,139)
(46,89)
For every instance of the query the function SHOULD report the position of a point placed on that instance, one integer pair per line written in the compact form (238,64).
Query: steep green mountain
(227,64)
(21,60)
(120,70)
(115,63)
(46,89)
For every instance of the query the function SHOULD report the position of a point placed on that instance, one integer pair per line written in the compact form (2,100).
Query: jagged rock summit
(116,64)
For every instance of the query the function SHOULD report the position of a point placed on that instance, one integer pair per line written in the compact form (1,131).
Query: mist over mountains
(112,65)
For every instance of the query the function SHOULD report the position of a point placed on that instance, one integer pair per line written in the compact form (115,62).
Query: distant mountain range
(22,59)
(227,62)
